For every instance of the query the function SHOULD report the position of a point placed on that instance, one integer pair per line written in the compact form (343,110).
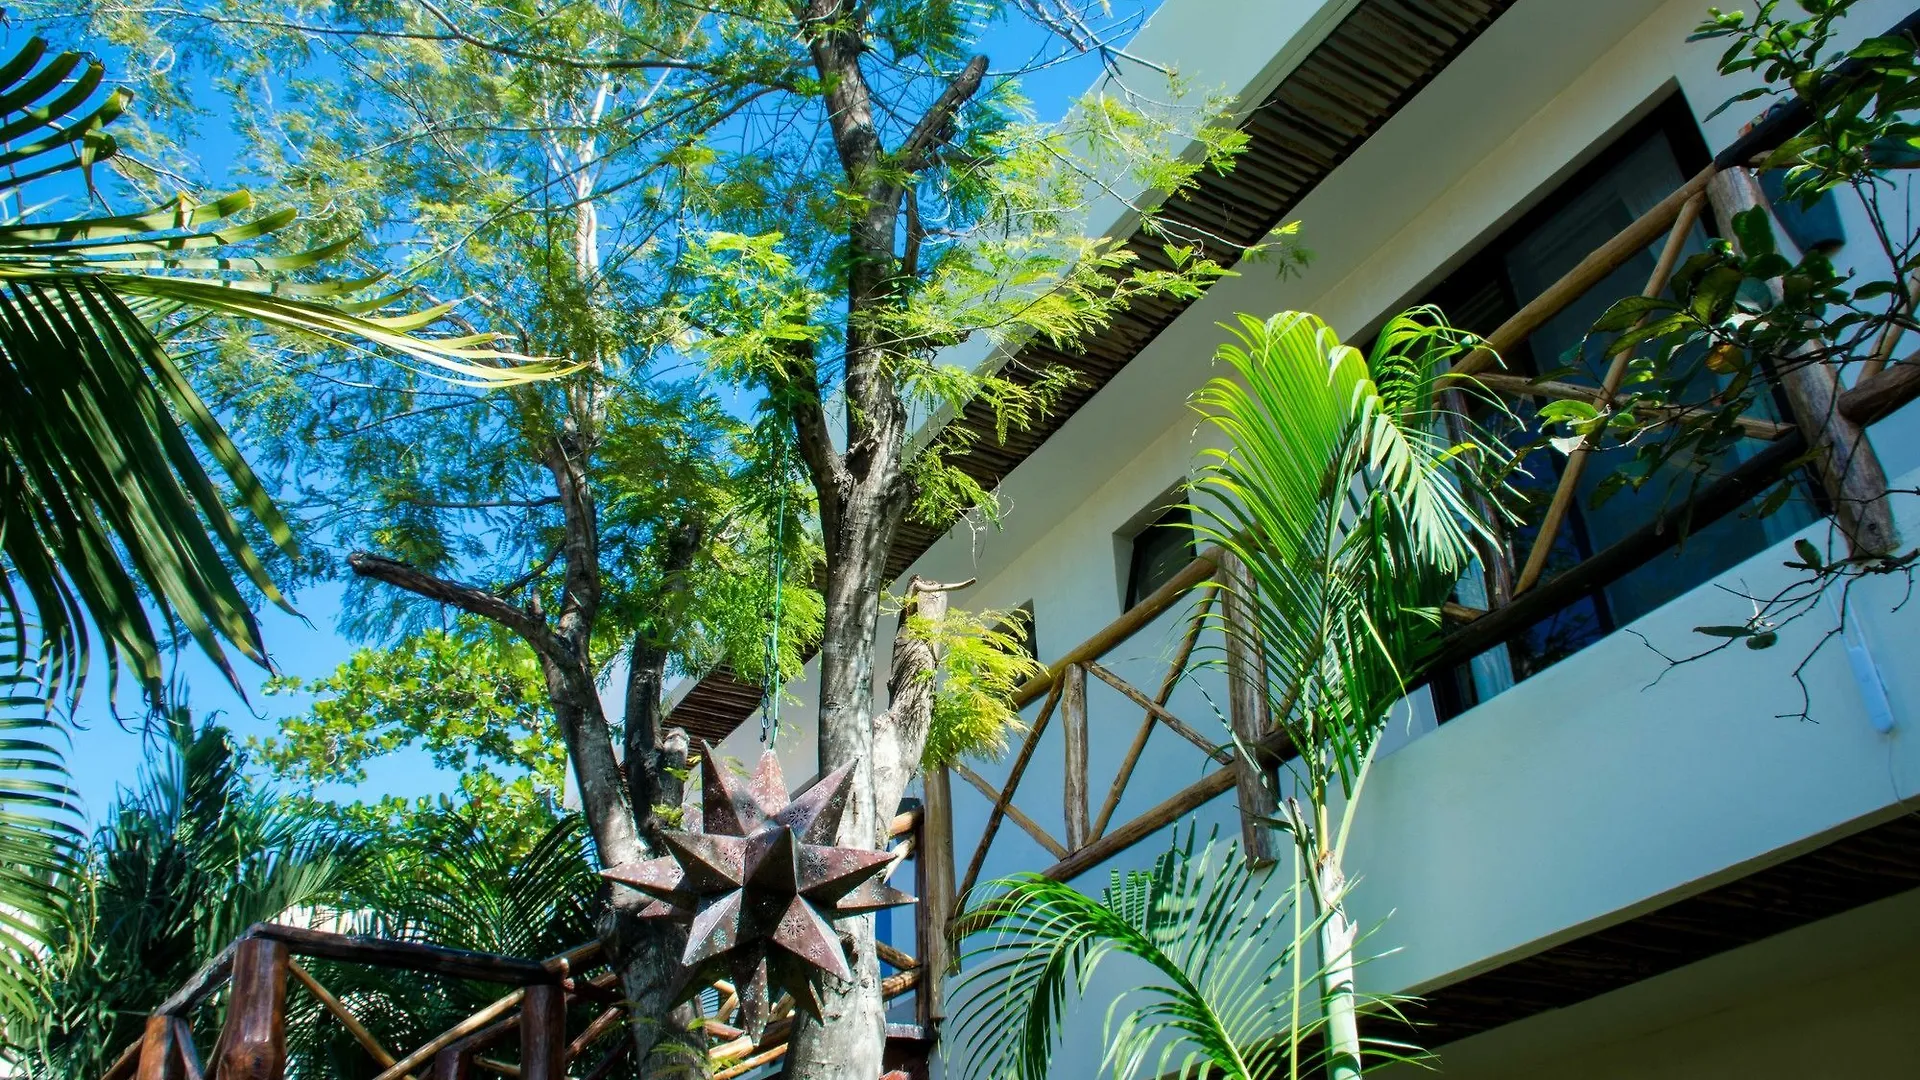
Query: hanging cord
(776,572)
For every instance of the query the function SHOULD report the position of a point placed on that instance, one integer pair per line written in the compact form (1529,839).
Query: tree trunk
(847,1041)
(646,953)
(1337,994)
(900,733)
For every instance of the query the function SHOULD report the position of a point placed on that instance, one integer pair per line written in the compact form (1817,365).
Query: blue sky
(107,752)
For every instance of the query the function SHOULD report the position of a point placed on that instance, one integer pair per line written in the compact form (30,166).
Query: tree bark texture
(863,491)
(646,952)
(900,733)
(1843,457)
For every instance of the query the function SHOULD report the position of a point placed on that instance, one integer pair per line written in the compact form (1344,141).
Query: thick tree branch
(580,603)
(936,127)
(646,680)
(468,598)
(813,439)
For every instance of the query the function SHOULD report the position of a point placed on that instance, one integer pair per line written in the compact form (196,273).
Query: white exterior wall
(1580,797)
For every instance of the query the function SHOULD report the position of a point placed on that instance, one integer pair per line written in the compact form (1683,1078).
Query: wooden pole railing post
(935,869)
(543,1033)
(1844,460)
(453,1063)
(1073,728)
(254,1044)
(1603,398)
(159,1057)
(1175,670)
(1247,709)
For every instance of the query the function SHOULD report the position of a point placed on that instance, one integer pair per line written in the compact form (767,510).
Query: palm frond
(108,502)
(1341,492)
(39,840)
(183,864)
(1219,936)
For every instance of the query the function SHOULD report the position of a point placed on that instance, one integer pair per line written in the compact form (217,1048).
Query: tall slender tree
(820,201)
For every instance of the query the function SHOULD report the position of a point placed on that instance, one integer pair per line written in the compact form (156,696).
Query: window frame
(1162,516)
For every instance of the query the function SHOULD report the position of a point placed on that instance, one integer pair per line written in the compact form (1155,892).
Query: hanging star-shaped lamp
(761,883)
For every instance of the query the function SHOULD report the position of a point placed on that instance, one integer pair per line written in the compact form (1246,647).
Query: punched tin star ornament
(760,882)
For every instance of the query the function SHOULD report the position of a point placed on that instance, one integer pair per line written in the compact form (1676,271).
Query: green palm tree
(1206,924)
(1347,492)
(184,864)
(107,507)
(458,880)
(110,513)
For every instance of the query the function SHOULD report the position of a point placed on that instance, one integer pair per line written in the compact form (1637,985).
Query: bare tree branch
(936,126)
(468,598)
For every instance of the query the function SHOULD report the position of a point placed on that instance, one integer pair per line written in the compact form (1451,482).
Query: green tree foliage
(184,865)
(983,660)
(523,886)
(1750,316)
(843,210)
(108,503)
(472,698)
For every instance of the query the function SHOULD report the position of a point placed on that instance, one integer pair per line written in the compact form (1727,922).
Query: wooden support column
(936,872)
(1844,460)
(1073,727)
(159,1056)
(254,1044)
(1247,709)
(543,1033)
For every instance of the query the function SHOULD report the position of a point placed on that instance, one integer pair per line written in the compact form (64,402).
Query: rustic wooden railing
(257,968)
(1826,428)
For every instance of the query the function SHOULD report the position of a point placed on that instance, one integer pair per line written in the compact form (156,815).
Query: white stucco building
(1586,873)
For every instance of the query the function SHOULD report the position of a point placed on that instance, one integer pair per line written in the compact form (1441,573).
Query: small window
(1160,551)
(1021,627)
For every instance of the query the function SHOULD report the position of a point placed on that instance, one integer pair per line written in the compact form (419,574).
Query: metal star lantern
(761,883)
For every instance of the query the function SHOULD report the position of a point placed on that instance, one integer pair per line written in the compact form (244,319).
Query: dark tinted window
(1160,551)
(1639,170)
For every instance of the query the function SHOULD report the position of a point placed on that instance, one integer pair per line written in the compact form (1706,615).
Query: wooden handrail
(1153,707)
(1719,499)
(408,955)
(454,1034)
(1130,622)
(1589,272)
(203,982)
(334,1005)
(1876,397)
(1560,390)
(1609,387)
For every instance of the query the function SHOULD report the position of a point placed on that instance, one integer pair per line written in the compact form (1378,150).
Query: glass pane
(1160,551)
(1629,189)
